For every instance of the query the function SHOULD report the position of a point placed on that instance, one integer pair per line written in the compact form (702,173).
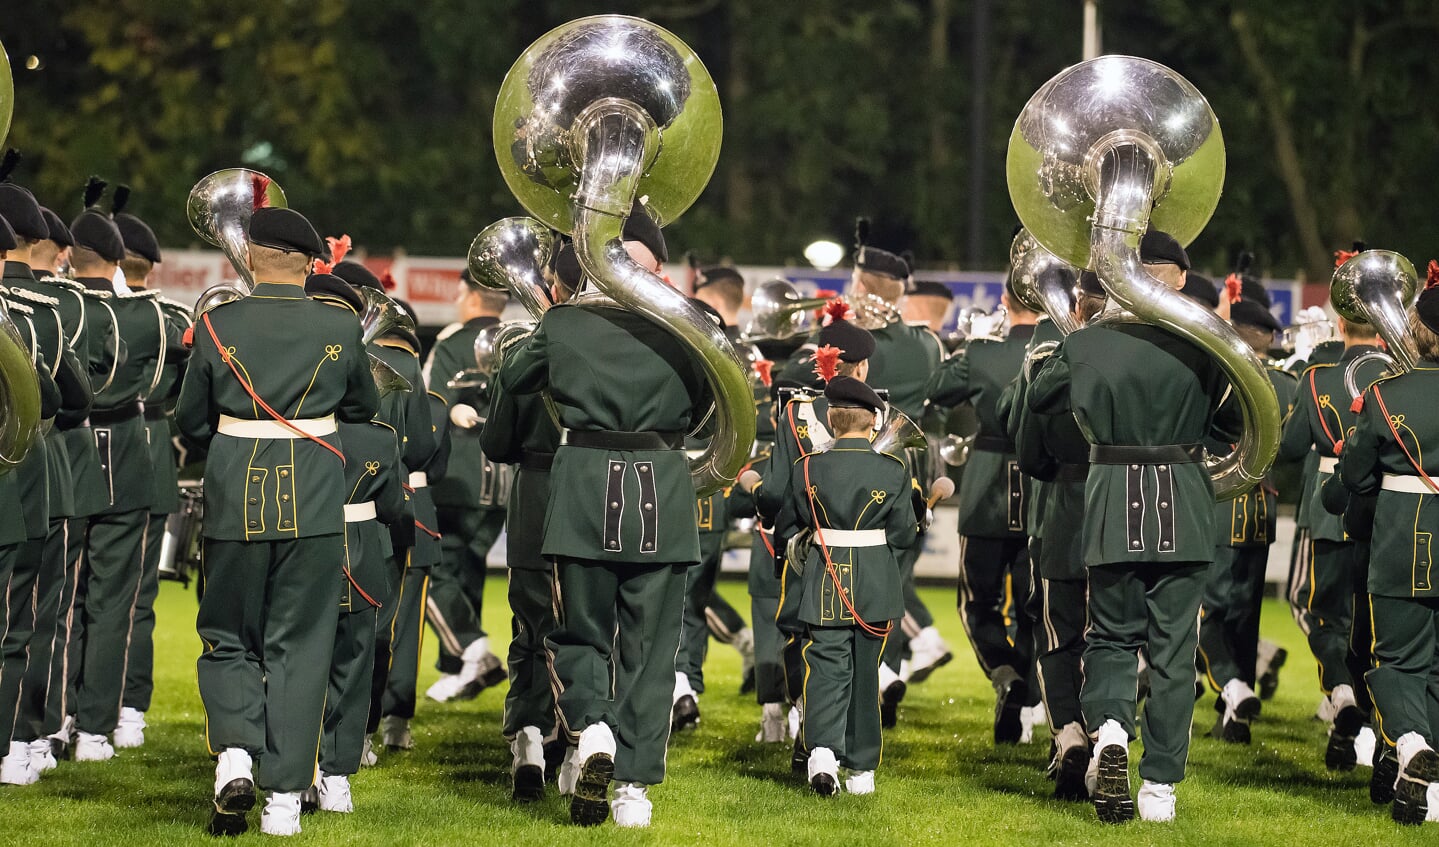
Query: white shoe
(66,733)
(368,758)
(1029,718)
(1364,747)
(597,738)
(42,757)
(796,720)
(335,794)
(1325,711)
(860,782)
(282,814)
(528,749)
(1431,799)
(569,773)
(1156,802)
(476,659)
(1110,734)
(15,768)
(771,724)
(823,770)
(395,731)
(631,805)
(92,748)
(744,643)
(887,676)
(445,688)
(130,731)
(232,764)
(927,653)
(683,687)
(1341,698)
(1240,699)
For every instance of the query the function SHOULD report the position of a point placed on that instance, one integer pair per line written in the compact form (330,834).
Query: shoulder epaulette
(449,330)
(62,282)
(438,397)
(34,297)
(378,422)
(174,304)
(891,456)
(97,295)
(21,308)
(142,294)
(1282,372)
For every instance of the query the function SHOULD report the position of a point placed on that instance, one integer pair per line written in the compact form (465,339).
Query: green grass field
(942,781)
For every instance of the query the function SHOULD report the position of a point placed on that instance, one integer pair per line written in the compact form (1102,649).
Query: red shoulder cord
(1334,443)
(225,356)
(351,577)
(829,565)
(1395,432)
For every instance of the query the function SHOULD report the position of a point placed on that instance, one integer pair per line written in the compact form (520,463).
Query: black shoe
(1069,775)
(1234,731)
(685,714)
(590,805)
(310,801)
(1112,800)
(1010,691)
(889,701)
(1339,752)
(799,759)
(1386,771)
(236,798)
(59,749)
(824,785)
(494,676)
(554,757)
(747,685)
(222,823)
(528,784)
(1268,682)
(1410,795)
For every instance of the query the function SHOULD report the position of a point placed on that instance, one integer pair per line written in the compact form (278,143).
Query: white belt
(241,428)
(357,512)
(1406,484)
(418,479)
(853,537)
(1328,465)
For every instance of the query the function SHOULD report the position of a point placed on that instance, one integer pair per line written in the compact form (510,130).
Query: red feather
(1233,288)
(260,184)
(836,310)
(826,293)
(387,281)
(339,248)
(323,267)
(1342,256)
(765,369)
(826,362)
(1433,275)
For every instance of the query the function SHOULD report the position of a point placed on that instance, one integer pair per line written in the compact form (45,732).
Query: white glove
(749,480)
(464,416)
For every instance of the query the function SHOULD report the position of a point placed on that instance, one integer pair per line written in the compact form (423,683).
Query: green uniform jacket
(904,358)
(1320,419)
(1401,553)
(372,474)
(306,360)
(763,565)
(1132,384)
(408,413)
(611,371)
(33,467)
(472,480)
(803,429)
(1250,519)
(519,431)
(160,413)
(991,494)
(1326,353)
(853,488)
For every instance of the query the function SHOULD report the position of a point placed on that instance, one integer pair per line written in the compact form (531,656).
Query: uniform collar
(862,443)
(279,290)
(481,322)
(19,269)
(96,283)
(1021,332)
(1351,353)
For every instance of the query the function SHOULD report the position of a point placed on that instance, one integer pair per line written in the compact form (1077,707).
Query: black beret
(287,230)
(712,276)
(929,288)
(710,311)
(7,236)
(357,275)
(96,231)
(1089,283)
(1427,308)
(846,392)
(59,233)
(22,211)
(855,343)
(639,226)
(331,287)
(1201,289)
(876,261)
(1253,313)
(567,266)
(138,237)
(1251,288)
(1160,248)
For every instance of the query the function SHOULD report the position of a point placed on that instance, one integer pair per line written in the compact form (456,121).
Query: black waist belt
(1072,473)
(106,417)
(992,444)
(154,413)
(537,461)
(1162,454)
(605,440)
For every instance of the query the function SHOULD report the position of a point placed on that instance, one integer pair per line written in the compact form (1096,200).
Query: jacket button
(1164,467)
(1134,467)
(284,473)
(613,545)
(1134,505)
(644,468)
(649,507)
(285,498)
(616,467)
(254,500)
(614,504)
(1164,504)
(1134,544)
(255,478)
(254,524)
(649,545)
(285,524)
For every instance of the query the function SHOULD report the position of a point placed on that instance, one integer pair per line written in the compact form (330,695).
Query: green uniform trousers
(140,668)
(455,603)
(1405,676)
(770,680)
(531,699)
(993,580)
(1229,615)
(112,583)
(1335,580)
(916,614)
(19,564)
(57,572)
(1148,606)
(68,625)
(267,621)
(613,650)
(407,637)
(385,622)
(841,694)
(1060,663)
(347,702)
(706,612)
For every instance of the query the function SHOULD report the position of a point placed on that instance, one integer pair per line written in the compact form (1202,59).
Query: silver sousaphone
(19,382)
(219,209)
(1378,288)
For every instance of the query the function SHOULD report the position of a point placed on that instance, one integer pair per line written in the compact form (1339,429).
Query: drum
(180,548)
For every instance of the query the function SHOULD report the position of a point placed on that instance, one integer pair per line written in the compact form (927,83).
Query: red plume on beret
(826,362)
(1433,275)
(387,281)
(1233,288)
(765,369)
(339,247)
(260,184)
(836,310)
(1342,256)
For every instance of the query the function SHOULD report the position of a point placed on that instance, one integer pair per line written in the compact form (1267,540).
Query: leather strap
(627,441)
(1134,454)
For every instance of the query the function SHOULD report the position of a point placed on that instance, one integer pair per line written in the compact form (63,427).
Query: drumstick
(940,489)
